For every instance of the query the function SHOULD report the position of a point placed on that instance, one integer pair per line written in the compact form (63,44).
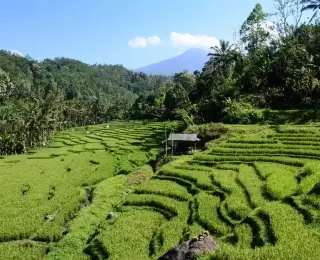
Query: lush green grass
(123,240)
(108,193)
(256,190)
(249,179)
(208,214)
(164,188)
(24,249)
(55,199)
(213,159)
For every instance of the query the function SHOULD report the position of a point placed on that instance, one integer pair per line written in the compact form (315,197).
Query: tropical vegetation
(273,65)
(84,170)
(38,99)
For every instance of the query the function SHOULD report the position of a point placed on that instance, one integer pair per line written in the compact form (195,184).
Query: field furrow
(93,194)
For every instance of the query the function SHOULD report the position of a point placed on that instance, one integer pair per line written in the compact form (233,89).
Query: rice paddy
(53,199)
(257,191)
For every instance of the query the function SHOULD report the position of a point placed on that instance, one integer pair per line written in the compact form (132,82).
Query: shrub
(207,132)
(242,113)
(161,160)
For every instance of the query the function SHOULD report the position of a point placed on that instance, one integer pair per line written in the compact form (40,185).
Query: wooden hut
(183,142)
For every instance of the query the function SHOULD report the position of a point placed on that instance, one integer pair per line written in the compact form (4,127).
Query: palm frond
(309,7)
(314,16)
(309,1)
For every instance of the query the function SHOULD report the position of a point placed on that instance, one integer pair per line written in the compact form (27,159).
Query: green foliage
(5,86)
(253,35)
(207,132)
(187,80)
(39,98)
(176,99)
(222,58)
(256,192)
(251,182)
(242,113)
(291,116)
(273,66)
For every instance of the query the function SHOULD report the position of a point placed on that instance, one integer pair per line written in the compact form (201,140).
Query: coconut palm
(222,56)
(313,5)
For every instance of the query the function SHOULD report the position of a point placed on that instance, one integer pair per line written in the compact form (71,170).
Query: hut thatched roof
(183,137)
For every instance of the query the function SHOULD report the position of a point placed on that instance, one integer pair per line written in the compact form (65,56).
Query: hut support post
(165,135)
(172,143)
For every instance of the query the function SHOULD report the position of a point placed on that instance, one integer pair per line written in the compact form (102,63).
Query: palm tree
(222,56)
(313,5)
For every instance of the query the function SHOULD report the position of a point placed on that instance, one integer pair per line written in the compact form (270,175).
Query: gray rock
(204,243)
(49,218)
(110,215)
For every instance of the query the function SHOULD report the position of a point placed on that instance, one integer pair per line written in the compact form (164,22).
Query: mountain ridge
(190,60)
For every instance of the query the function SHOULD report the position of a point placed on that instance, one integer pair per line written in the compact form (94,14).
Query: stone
(204,243)
(49,218)
(110,215)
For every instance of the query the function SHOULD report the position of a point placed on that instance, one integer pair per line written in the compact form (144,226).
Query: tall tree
(185,79)
(254,32)
(39,98)
(176,99)
(5,86)
(222,56)
(288,15)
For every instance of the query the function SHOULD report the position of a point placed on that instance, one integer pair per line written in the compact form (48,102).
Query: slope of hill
(40,97)
(256,192)
(190,60)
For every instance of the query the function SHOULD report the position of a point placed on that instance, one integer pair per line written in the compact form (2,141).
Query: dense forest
(273,65)
(39,98)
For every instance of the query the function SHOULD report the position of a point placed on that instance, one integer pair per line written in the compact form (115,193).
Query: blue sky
(106,31)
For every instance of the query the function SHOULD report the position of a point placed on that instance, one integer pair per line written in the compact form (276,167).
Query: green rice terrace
(255,189)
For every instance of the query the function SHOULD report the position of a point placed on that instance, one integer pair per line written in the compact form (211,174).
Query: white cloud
(154,40)
(188,40)
(138,42)
(142,42)
(16,52)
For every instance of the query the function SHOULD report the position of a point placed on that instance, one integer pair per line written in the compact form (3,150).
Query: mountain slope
(190,60)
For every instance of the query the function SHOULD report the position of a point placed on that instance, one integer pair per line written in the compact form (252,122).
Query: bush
(208,131)
(161,160)
(242,113)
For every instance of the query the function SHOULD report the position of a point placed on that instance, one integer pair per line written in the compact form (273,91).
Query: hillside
(256,191)
(38,98)
(191,60)
(73,75)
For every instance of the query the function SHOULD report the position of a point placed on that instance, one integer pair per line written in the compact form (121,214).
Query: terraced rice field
(61,194)
(257,191)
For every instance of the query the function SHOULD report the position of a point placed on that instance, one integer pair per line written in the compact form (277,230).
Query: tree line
(40,98)
(274,64)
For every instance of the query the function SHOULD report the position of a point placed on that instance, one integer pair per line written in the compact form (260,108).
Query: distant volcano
(191,60)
